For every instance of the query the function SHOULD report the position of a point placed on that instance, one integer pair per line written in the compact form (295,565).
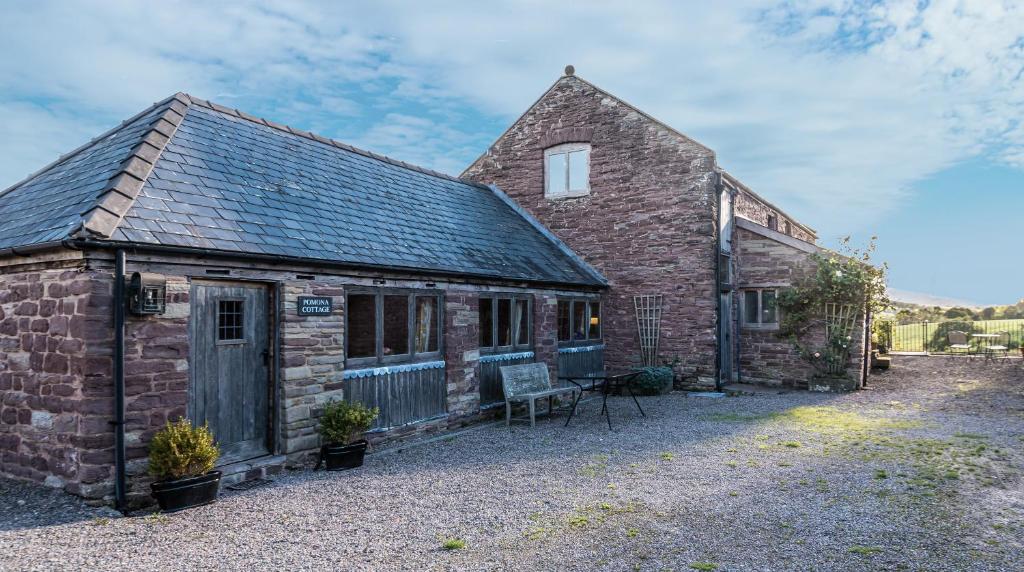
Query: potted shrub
(341,424)
(654,380)
(181,457)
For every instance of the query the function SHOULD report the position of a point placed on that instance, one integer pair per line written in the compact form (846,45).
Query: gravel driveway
(921,472)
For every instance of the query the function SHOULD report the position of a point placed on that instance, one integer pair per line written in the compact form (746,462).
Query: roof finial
(569,70)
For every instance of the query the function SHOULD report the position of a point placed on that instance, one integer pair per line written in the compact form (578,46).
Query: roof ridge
(118,195)
(326,140)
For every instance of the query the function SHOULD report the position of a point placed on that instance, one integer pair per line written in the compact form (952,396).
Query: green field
(913,337)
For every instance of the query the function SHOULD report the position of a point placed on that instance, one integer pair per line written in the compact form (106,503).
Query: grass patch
(704,566)
(976,436)
(881,474)
(667,456)
(864,550)
(792,444)
(453,544)
(578,520)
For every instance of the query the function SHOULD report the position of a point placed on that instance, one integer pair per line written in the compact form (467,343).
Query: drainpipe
(120,493)
(866,353)
(718,283)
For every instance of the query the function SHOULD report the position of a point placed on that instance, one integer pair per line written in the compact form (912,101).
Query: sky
(896,119)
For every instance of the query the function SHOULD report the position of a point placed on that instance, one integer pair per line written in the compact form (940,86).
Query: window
(361,333)
(579,321)
(229,321)
(567,170)
(759,308)
(787,228)
(387,326)
(396,325)
(504,322)
(773,222)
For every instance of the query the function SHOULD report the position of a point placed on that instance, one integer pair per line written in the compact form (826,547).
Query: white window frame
(565,149)
(758,324)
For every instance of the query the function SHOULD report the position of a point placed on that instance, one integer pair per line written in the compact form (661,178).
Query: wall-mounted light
(593,320)
(147,294)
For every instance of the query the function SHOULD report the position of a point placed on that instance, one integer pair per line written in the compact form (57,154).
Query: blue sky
(901,119)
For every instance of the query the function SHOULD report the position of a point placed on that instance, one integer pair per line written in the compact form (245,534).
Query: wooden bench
(528,383)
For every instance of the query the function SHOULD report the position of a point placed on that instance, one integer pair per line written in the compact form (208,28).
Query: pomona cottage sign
(315,306)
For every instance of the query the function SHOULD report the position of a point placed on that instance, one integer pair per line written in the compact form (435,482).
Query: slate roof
(190,173)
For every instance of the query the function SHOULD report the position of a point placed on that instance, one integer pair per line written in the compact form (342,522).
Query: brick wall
(647,224)
(764,356)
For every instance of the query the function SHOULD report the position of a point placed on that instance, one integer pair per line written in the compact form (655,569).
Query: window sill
(570,195)
(760,327)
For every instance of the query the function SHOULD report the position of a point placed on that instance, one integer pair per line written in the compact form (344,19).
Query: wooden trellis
(839,321)
(648,324)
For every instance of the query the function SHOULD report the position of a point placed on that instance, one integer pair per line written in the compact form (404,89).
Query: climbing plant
(843,284)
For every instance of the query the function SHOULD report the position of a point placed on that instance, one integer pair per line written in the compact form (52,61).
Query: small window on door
(229,321)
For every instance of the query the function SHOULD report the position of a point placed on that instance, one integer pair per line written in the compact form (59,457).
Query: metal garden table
(983,338)
(605,384)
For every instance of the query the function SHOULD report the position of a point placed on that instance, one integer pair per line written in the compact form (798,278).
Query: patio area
(921,471)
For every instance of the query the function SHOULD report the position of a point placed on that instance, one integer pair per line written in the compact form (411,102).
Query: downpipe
(120,300)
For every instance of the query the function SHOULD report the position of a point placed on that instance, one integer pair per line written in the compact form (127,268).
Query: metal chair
(958,343)
(1000,346)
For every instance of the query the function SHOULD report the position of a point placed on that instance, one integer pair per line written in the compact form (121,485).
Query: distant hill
(921,299)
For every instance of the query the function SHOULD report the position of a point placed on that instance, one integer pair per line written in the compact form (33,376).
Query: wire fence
(933,337)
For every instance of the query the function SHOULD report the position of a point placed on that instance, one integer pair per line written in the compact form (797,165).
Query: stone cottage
(651,209)
(197,261)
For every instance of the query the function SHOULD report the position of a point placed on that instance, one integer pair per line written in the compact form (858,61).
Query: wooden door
(230,387)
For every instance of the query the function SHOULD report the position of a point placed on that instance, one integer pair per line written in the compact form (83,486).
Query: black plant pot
(341,457)
(179,494)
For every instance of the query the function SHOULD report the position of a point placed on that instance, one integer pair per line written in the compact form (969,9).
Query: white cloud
(832,107)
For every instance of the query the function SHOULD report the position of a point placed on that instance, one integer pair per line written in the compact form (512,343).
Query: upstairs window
(759,308)
(579,321)
(567,170)
(787,228)
(773,222)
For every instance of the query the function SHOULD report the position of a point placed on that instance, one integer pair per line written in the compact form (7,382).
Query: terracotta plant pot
(342,457)
(179,494)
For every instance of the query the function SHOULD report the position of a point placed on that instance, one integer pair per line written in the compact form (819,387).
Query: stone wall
(55,401)
(462,354)
(56,366)
(754,209)
(312,363)
(647,223)
(764,356)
